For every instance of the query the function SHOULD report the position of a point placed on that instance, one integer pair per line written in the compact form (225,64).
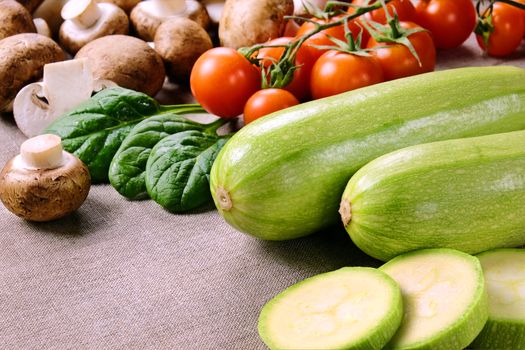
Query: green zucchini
(350,308)
(282,176)
(444,297)
(504,271)
(465,194)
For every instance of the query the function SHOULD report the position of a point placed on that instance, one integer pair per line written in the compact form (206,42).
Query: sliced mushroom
(15,19)
(22,59)
(43,182)
(148,15)
(66,85)
(86,20)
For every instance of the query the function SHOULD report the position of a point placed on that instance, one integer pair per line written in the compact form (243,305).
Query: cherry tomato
(323,37)
(299,86)
(450,21)
(222,80)
(404,9)
(267,101)
(509,27)
(397,61)
(336,72)
(522,11)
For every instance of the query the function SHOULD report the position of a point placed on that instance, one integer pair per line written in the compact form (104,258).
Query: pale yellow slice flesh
(440,288)
(335,310)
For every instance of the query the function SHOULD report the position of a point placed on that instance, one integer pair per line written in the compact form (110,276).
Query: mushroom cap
(146,23)
(44,194)
(30,5)
(127,61)
(113,20)
(126,5)
(15,19)
(22,60)
(180,41)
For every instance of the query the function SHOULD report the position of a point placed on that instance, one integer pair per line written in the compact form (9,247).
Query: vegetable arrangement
(126,137)
(282,176)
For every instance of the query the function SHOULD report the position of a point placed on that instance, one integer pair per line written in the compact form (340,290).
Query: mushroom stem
(42,152)
(84,13)
(163,8)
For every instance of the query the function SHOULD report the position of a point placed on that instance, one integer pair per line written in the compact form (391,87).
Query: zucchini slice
(350,308)
(504,271)
(444,296)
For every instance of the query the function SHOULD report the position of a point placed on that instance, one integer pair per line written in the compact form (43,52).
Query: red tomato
(222,80)
(267,101)
(450,21)
(336,72)
(509,27)
(404,9)
(397,61)
(522,11)
(299,85)
(322,38)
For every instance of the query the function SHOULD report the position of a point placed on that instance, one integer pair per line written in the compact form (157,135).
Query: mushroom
(22,60)
(66,85)
(42,27)
(49,10)
(126,5)
(180,41)
(128,61)
(148,15)
(86,20)
(43,182)
(214,9)
(15,19)
(31,5)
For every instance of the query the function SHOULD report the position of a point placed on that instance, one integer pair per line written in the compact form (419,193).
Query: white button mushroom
(148,15)
(86,20)
(65,85)
(43,182)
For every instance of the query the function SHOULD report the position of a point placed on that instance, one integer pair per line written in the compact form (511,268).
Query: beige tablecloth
(128,275)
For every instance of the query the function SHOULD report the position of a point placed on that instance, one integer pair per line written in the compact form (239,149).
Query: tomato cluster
(380,45)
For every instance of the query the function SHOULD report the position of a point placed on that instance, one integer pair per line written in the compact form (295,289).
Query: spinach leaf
(178,169)
(96,128)
(128,168)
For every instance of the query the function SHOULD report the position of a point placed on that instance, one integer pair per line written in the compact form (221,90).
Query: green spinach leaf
(95,129)
(128,167)
(178,168)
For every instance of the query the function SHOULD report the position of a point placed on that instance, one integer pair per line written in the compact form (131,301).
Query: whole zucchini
(467,194)
(282,176)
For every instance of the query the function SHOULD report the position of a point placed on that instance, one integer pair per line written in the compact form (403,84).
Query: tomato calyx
(280,72)
(485,27)
(350,45)
(393,33)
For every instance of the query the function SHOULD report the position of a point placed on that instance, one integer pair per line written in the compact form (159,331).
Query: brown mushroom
(127,61)
(126,5)
(180,41)
(31,5)
(147,16)
(22,60)
(49,10)
(43,182)
(15,19)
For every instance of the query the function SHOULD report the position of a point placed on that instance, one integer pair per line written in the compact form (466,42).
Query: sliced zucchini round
(350,308)
(444,297)
(504,271)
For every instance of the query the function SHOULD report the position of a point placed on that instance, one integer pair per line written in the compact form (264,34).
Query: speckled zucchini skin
(282,176)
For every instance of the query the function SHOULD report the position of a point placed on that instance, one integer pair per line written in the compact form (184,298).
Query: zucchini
(350,308)
(465,194)
(504,271)
(282,176)
(445,299)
